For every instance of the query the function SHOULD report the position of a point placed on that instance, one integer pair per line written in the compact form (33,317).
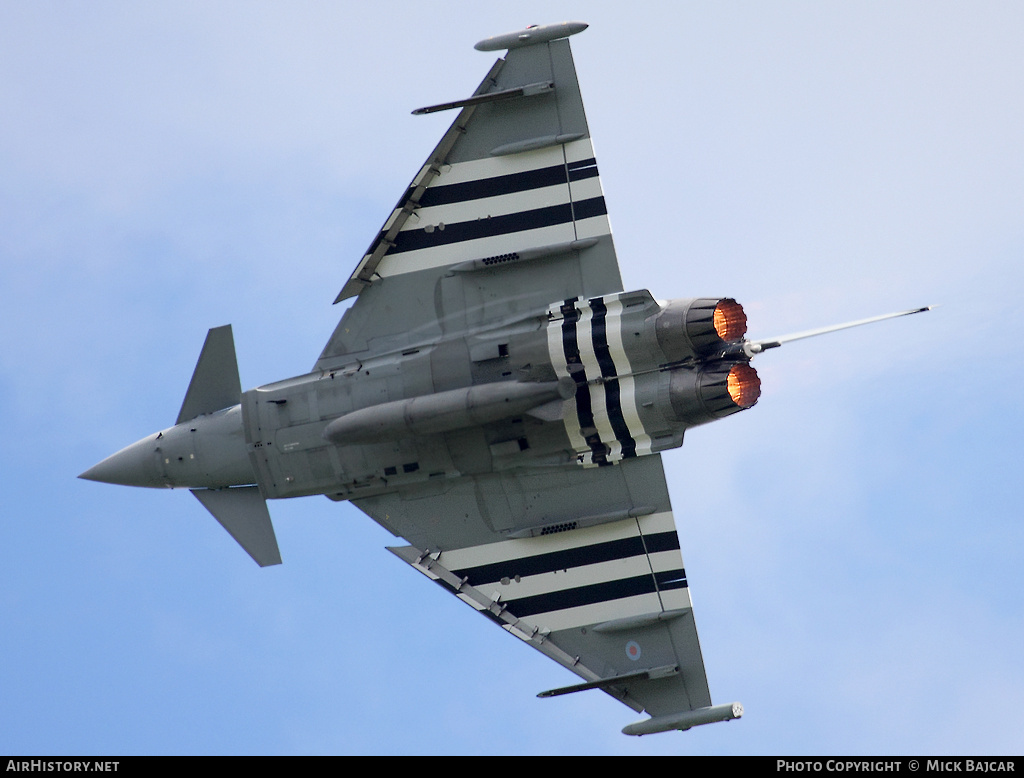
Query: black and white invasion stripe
(611,571)
(489,206)
(585,343)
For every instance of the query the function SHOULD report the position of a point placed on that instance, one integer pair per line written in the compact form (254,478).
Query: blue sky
(853,543)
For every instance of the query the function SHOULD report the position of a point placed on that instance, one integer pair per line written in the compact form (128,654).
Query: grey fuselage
(582,383)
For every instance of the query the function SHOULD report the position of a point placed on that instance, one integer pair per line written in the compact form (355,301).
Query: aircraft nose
(135,465)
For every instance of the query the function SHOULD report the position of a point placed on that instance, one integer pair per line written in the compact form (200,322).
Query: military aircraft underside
(494,398)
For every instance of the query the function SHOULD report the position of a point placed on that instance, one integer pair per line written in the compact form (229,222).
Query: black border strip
(574,364)
(584,168)
(523,181)
(412,240)
(588,595)
(493,187)
(612,389)
(581,556)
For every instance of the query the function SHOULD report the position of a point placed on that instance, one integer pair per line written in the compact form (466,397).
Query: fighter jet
(494,398)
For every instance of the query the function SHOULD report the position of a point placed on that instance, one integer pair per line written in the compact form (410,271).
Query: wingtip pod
(684,720)
(530,36)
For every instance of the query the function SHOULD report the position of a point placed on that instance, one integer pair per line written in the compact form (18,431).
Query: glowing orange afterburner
(730,320)
(744,385)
